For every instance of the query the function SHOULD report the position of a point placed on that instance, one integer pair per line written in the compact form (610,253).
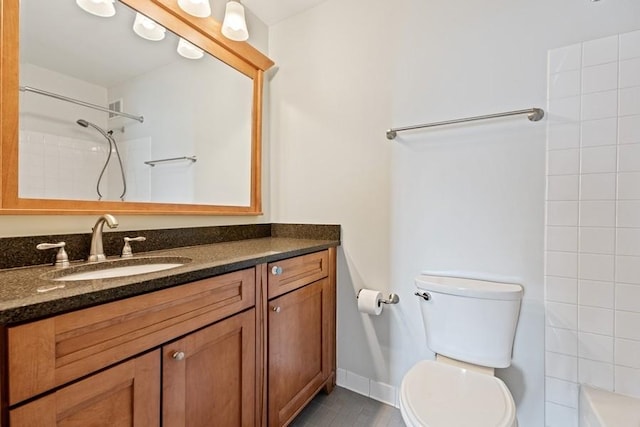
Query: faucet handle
(126,250)
(62,260)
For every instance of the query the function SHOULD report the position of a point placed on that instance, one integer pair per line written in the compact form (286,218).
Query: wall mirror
(184,132)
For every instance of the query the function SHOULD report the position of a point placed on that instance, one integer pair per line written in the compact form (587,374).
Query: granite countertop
(27,294)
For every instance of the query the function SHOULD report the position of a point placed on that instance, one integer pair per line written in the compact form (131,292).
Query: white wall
(592,224)
(467,198)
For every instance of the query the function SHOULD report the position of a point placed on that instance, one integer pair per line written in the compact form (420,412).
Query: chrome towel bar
(152,163)
(533,114)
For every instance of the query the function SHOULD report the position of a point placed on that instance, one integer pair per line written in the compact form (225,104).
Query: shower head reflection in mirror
(112,145)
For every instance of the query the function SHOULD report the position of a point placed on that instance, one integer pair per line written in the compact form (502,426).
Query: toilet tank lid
(469,287)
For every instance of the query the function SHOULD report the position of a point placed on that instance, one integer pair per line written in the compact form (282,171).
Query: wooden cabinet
(123,396)
(301,334)
(208,377)
(244,349)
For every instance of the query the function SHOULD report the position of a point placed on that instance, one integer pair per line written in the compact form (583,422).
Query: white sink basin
(112,272)
(116,268)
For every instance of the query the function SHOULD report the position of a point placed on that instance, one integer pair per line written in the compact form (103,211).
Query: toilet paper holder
(393,299)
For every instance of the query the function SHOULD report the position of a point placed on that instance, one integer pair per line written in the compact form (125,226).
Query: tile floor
(344,408)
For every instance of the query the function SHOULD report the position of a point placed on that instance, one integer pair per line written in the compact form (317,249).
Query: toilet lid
(434,394)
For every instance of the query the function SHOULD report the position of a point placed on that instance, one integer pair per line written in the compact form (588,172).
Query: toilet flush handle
(424,295)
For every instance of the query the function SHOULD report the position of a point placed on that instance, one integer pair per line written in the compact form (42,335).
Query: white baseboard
(381,392)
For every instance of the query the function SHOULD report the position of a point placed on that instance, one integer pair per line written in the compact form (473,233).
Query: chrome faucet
(97,252)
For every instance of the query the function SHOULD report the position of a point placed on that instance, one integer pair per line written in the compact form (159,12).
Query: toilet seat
(435,394)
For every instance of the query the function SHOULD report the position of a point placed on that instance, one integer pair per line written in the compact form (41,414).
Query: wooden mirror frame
(204,32)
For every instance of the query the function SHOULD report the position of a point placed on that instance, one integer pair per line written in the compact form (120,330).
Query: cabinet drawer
(51,352)
(293,273)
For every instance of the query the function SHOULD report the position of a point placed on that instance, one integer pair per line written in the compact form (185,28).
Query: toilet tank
(469,319)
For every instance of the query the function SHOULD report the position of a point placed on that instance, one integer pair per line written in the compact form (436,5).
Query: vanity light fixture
(189,51)
(198,8)
(234,26)
(148,29)
(103,8)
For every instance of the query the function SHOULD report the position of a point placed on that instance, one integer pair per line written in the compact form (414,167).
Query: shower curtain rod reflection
(533,114)
(76,101)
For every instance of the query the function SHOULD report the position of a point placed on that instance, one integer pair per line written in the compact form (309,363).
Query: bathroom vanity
(242,335)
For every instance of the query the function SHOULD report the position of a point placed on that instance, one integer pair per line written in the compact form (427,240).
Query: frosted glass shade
(199,8)
(103,8)
(148,29)
(234,26)
(189,51)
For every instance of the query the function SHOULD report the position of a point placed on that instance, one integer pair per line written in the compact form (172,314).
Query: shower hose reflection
(112,144)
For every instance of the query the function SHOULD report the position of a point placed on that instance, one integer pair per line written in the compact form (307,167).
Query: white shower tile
(598,186)
(628,213)
(595,320)
(598,159)
(563,135)
(563,162)
(561,289)
(560,416)
(596,374)
(629,186)
(562,264)
(563,341)
(627,381)
(564,187)
(599,240)
(562,239)
(561,392)
(596,294)
(628,269)
(562,213)
(600,105)
(598,213)
(560,315)
(629,101)
(627,325)
(628,297)
(629,157)
(600,51)
(595,347)
(561,366)
(599,132)
(600,78)
(630,73)
(628,241)
(629,130)
(565,84)
(629,45)
(596,267)
(565,58)
(627,353)
(564,110)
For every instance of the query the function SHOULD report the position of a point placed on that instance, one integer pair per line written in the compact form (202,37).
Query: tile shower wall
(60,167)
(592,283)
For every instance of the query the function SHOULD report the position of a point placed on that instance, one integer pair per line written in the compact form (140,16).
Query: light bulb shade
(148,29)
(103,8)
(188,50)
(234,26)
(199,8)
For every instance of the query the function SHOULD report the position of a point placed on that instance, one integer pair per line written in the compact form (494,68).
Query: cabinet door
(299,350)
(209,376)
(123,396)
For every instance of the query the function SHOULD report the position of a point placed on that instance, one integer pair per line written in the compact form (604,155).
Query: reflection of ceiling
(58,35)
(273,11)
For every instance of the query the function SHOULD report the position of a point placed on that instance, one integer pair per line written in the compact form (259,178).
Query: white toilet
(470,325)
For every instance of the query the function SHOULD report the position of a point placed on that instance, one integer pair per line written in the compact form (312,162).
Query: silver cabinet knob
(276,271)
(178,355)
(276,309)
